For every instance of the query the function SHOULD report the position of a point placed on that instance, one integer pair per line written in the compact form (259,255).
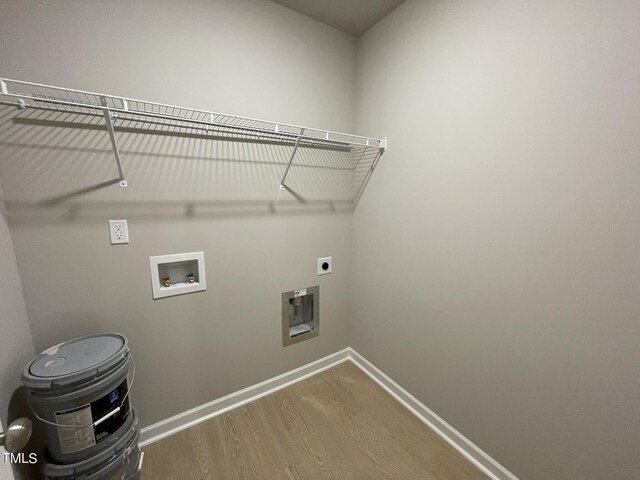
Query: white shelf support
(283,186)
(108,118)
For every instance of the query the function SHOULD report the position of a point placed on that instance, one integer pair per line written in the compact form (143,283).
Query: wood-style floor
(337,425)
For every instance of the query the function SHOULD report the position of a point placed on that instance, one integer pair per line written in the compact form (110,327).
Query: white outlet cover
(118,232)
(325,262)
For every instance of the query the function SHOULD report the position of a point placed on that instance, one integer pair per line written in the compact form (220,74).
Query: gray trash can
(79,390)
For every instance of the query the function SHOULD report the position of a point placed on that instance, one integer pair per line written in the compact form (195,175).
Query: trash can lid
(76,360)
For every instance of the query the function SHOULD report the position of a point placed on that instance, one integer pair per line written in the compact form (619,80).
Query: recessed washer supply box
(177,274)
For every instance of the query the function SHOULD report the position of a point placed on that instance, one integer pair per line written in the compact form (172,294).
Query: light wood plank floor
(336,425)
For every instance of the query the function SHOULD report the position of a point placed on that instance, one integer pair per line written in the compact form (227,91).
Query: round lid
(75,360)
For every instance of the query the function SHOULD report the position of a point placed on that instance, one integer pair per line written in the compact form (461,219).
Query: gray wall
(251,58)
(16,345)
(497,249)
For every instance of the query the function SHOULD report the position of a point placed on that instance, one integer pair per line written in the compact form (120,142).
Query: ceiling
(351,16)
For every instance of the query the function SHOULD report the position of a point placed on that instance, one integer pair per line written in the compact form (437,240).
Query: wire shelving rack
(110,108)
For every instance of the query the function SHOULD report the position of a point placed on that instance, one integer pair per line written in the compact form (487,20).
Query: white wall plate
(325,265)
(177,274)
(118,232)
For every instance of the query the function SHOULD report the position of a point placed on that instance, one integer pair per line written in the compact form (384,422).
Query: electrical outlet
(325,265)
(118,231)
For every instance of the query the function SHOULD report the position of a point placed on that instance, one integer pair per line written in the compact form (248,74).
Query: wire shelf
(72,100)
(66,105)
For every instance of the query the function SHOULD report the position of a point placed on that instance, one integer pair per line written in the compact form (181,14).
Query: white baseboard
(182,421)
(468,449)
(197,415)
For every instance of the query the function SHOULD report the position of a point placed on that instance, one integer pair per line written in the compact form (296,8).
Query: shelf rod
(112,134)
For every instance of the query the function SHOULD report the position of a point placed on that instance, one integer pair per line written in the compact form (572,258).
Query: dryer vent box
(300,315)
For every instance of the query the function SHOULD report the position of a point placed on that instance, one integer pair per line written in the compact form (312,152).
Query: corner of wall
(16,342)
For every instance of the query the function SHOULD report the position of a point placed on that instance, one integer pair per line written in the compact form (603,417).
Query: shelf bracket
(283,186)
(109,117)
